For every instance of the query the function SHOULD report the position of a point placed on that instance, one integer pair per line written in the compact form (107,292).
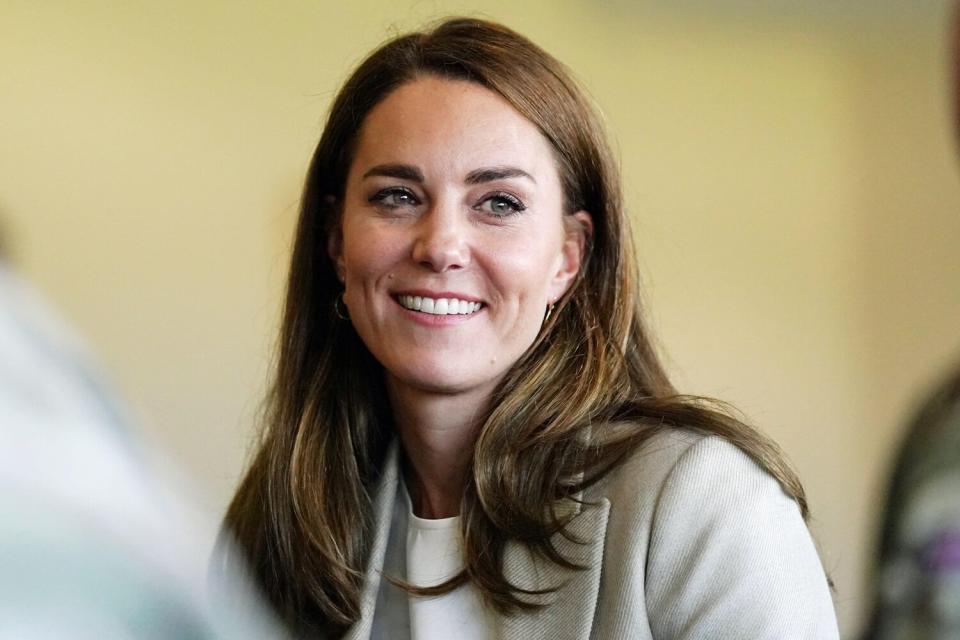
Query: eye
(501,205)
(394,198)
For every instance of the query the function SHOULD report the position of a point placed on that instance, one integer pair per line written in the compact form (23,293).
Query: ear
(335,250)
(579,228)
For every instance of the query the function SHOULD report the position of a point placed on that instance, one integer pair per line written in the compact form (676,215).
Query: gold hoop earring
(340,307)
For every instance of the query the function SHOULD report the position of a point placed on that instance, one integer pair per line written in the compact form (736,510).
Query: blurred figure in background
(96,539)
(917,580)
(918,577)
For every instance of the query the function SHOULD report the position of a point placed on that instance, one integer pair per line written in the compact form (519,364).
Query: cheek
(525,268)
(367,254)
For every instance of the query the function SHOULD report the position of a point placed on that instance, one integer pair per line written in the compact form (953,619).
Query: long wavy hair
(583,398)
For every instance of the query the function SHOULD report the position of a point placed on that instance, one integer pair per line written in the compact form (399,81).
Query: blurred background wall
(790,168)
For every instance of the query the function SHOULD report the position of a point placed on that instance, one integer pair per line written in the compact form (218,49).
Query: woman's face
(452,240)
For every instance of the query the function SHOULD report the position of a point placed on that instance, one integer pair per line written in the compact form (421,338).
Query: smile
(439,306)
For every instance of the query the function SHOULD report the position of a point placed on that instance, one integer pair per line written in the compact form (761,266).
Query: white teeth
(439,306)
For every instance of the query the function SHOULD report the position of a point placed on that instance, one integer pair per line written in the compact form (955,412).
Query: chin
(453,382)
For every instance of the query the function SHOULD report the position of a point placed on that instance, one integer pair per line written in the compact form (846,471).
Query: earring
(549,312)
(340,307)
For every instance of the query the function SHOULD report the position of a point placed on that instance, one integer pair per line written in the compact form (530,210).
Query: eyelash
(380,197)
(516,205)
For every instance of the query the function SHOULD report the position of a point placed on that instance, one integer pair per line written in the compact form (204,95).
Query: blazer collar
(384,496)
(571,607)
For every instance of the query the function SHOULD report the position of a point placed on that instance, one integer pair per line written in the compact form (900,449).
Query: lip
(432,320)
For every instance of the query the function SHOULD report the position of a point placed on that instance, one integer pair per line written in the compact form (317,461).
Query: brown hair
(303,514)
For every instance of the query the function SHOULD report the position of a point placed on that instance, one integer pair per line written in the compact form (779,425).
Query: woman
(470,433)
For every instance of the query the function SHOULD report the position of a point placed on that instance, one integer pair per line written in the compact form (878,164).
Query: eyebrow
(401,171)
(490,174)
(477,176)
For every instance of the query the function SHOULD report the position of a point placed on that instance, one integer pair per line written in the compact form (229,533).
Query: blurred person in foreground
(97,539)
(917,576)
(471,434)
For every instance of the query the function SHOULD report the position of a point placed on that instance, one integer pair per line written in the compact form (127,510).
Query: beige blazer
(688,539)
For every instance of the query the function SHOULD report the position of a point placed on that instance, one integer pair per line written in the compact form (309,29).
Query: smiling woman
(470,433)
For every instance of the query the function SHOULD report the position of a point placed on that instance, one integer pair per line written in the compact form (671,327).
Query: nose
(441,242)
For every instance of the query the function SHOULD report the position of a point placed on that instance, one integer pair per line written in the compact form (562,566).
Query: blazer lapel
(383,505)
(571,608)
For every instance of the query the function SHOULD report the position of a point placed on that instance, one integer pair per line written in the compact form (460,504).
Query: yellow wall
(792,179)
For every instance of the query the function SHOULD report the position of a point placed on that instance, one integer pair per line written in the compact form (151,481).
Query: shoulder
(682,463)
(682,474)
(682,481)
(709,529)
(700,482)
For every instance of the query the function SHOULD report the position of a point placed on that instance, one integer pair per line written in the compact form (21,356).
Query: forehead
(452,125)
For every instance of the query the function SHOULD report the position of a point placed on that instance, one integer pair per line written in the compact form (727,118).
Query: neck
(438,432)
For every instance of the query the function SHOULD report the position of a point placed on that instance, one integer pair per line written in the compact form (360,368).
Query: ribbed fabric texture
(705,544)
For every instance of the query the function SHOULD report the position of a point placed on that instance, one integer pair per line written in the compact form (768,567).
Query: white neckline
(416,522)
